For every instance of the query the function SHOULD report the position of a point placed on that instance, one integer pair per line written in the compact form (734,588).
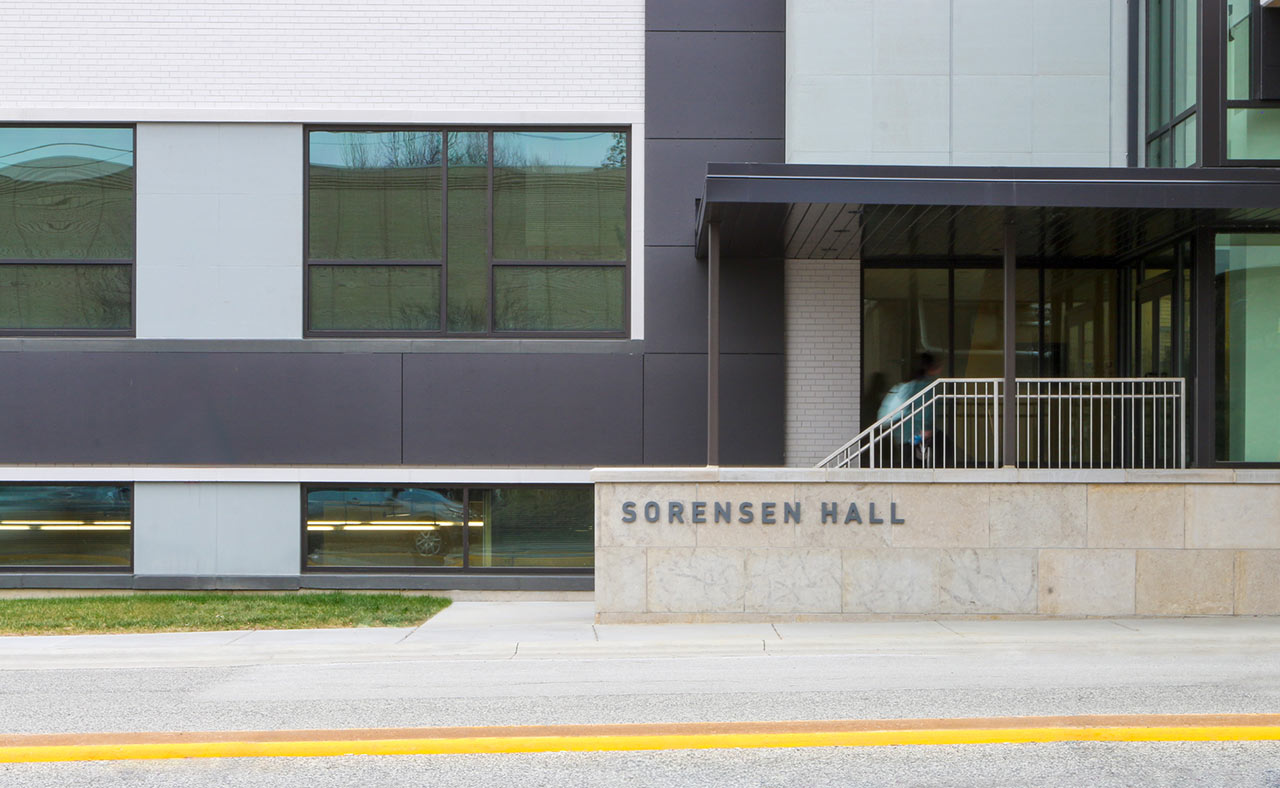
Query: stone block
(642,533)
(813,532)
(696,580)
(1257,591)
(1038,515)
(1086,582)
(620,579)
(1135,515)
(738,534)
(793,581)
(1185,582)
(987,581)
(1233,515)
(942,515)
(891,581)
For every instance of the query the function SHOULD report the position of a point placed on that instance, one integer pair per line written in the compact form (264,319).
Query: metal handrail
(1060,423)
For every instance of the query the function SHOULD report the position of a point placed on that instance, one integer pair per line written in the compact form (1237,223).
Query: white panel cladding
(823,337)
(217,529)
(963,82)
(219,231)
(323,56)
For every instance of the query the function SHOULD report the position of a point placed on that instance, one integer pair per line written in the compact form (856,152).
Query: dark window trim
(132,262)
(465,569)
(11,569)
(443,332)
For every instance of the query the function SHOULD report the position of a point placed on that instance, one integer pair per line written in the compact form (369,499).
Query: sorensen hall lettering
(747,512)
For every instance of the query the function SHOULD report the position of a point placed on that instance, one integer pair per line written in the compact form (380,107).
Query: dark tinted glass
(560,195)
(385,526)
(905,313)
(468,269)
(65,296)
(374,297)
(1080,325)
(66,193)
(527,527)
(559,298)
(65,525)
(375,195)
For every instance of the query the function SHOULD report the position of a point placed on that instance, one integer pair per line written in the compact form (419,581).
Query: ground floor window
(511,528)
(1247,278)
(66,526)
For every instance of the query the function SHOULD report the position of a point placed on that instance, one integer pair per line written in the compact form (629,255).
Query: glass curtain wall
(1172,31)
(450,528)
(1252,114)
(1247,294)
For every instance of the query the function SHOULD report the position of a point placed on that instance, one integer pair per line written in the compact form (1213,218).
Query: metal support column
(1009,401)
(713,344)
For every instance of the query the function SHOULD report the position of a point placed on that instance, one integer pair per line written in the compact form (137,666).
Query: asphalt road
(996,669)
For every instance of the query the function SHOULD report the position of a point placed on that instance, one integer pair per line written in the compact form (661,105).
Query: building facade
(310,295)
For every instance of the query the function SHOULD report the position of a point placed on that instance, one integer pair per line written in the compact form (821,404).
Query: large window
(84,526)
(516,232)
(1171,82)
(66,230)
(1247,276)
(502,528)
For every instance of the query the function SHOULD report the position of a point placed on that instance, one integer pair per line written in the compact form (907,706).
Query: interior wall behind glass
(1080,323)
(1247,278)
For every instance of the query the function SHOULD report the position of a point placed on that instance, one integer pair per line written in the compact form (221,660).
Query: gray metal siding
(494,409)
(714,91)
(215,408)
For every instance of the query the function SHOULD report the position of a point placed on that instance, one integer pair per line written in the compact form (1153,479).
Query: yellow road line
(429,745)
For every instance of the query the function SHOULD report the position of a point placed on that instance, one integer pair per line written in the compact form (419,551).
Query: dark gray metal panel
(87,580)
(752,409)
(752,304)
(675,176)
(514,409)
(716,15)
(675,300)
(443,582)
(217,582)
(200,408)
(675,408)
(675,297)
(345,345)
(723,85)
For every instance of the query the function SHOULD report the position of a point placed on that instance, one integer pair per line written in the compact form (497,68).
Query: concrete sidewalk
(534,629)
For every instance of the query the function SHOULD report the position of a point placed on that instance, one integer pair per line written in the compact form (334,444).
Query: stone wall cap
(762,475)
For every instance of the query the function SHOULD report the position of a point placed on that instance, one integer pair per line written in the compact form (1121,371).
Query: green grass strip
(212,610)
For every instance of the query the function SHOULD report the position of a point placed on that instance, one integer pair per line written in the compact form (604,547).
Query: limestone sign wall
(694,544)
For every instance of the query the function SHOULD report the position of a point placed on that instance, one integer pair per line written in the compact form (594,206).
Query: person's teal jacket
(921,419)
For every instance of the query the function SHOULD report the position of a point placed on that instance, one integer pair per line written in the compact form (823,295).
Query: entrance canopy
(1005,215)
(810,212)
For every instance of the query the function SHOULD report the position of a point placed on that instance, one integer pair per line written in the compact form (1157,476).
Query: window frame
(443,264)
(465,569)
(132,262)
(99,569)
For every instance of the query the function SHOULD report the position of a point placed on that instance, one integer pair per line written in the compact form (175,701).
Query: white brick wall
(316,59)
(823,337)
